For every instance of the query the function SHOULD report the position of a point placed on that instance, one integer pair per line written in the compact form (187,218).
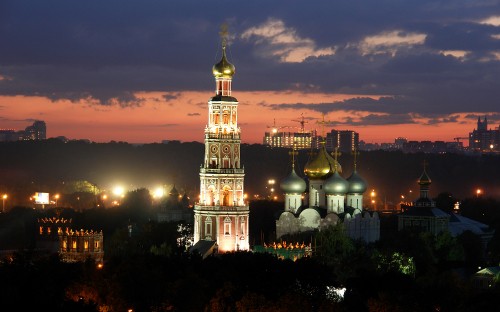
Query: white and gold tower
(222,213)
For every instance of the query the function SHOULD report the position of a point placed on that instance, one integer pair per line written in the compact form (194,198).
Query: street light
(118,191)
(270,186)
(372,195)
(56,198)
(159,192)
(4,197)
(479,192)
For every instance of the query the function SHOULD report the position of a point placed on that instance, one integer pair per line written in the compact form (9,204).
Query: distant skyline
(140,71)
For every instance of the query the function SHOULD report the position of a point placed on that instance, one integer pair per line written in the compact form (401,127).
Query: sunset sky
(140,71)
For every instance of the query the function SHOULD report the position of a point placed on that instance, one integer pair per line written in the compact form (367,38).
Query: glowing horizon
(184,116)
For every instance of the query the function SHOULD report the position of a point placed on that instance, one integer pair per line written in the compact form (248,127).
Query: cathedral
(221,213)
(329,199)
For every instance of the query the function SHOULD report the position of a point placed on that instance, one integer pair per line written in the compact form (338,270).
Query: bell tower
(222,214)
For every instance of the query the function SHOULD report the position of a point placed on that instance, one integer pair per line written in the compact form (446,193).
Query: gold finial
(292,153)
(224,33)
(336,154)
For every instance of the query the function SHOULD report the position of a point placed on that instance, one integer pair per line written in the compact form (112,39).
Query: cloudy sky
(140,71)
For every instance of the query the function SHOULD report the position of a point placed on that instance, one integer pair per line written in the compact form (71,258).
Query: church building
(221,214)
(327,200)
(423,215)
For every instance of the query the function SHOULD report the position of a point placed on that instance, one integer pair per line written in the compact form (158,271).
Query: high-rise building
(399,142)
(484,140)
(301,140)
(37,131)
(345,140)
(221,215)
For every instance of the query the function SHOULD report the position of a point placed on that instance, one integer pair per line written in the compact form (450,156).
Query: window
(74,244)
(86,246)
(227,226)
(242,228)
(208,226)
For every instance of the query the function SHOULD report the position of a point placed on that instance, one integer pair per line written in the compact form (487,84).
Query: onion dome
(321,165)
(293,184)
(223,69)
(357,184)
(336,185)
(424,179)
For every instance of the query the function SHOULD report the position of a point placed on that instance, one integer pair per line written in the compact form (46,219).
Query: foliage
(394,262)
(334,246)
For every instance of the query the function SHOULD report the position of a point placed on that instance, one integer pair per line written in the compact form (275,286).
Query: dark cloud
(372,119)
(171,96)
(449,119)
(106,51)
(492,118)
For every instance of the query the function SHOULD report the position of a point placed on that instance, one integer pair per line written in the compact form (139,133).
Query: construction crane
(302,122)
(460,138)
(274,128)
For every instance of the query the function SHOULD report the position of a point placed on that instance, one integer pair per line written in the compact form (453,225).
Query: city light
(158,192)
(372,196)
(4,197)
(118,191)
(479,192)
(56,197)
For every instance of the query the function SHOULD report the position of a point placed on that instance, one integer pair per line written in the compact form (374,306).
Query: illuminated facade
(221,214)
(345,140)
(299,140)
(56,235)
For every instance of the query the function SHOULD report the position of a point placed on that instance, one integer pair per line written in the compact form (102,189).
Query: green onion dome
(293,184)
(356,184)
(336,185)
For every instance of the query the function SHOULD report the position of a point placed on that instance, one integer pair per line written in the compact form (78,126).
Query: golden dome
(321,166)
(223,69)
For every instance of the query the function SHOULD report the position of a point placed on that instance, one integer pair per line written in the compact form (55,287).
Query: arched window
(242,228)
(227,226)
(208,227)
